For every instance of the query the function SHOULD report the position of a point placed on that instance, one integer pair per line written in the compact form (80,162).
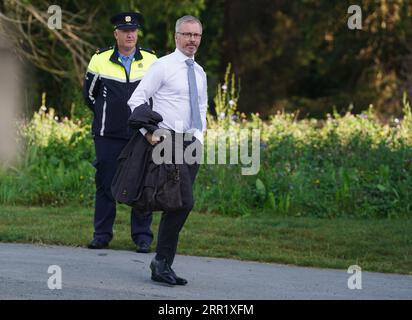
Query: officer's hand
(151,138)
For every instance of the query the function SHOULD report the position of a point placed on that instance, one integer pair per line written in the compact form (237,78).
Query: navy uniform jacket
(108,87)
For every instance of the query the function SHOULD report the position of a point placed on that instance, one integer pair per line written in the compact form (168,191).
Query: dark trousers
(172,222)
(107,152)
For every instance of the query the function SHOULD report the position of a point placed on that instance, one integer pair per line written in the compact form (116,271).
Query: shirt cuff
(143,131)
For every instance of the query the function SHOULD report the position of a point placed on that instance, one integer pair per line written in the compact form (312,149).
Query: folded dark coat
(144,117)
(127,183)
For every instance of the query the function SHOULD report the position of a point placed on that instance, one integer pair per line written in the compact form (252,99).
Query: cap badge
(128,18)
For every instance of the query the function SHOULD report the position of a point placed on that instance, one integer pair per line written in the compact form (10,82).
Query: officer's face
(187,37)
(126,39)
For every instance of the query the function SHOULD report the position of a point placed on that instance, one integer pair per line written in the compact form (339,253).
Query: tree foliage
(288,54)
(301,54)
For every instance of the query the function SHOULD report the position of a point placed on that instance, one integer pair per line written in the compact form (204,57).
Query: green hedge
(351,165)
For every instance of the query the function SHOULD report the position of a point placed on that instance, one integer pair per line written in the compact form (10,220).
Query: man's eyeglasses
(188,35)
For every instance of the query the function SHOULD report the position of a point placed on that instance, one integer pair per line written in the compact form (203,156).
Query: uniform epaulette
(148,50)
(100,50)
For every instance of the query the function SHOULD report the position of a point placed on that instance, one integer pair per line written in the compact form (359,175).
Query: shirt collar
(181,56)
(130,56)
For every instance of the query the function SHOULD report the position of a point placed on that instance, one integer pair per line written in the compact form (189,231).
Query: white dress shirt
(166,82)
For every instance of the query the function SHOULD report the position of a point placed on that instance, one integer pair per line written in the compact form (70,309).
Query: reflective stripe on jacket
(108,87)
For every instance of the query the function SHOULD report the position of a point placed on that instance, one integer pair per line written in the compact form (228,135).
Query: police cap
(126,20)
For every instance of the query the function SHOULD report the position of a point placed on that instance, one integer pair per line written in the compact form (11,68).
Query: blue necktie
(194,103)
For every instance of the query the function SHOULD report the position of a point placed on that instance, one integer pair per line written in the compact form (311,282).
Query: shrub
(346,165)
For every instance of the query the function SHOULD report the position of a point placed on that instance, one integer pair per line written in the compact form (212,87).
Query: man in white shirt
(178,87)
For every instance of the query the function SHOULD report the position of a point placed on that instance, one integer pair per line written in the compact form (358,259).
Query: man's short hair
(184,19)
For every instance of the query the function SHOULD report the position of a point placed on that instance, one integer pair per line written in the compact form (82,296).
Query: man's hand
(151,138)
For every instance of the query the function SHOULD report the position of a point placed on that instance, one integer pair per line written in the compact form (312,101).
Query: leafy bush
(54,167)
(350,165)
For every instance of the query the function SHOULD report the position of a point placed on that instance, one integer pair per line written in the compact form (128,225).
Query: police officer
(112,76)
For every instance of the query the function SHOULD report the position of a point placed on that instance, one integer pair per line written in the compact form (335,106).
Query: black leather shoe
(161,272)
(179,281)
(96,244)
(143,247)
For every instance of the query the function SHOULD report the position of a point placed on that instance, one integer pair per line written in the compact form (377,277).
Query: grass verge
(383,245)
